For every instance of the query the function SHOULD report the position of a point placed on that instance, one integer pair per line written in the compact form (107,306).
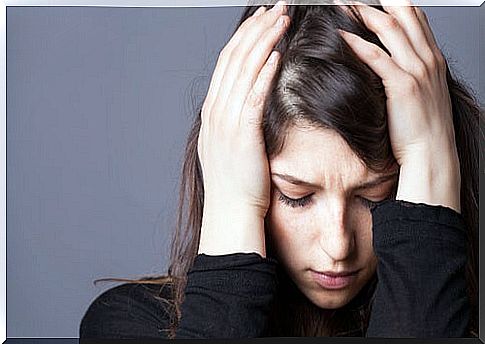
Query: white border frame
(3,172)
(216,3)
(111,3)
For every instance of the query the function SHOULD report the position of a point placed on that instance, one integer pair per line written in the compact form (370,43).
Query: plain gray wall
(98,108)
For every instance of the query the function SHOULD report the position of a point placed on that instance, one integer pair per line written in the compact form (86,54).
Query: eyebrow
(377,181)
(374,182)
(295,181)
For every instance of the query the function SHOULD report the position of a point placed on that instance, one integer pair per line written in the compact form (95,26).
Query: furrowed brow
(295,181)
(376,181)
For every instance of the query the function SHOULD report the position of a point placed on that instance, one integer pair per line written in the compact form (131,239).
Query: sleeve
(421,290)
(228,296)
(127,311)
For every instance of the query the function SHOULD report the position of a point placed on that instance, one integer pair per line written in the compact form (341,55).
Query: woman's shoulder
(130,310)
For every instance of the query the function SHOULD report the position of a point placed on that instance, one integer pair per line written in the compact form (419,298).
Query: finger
(392,35)
(259,11)
(378,60)
(407,18)
(222,62)
(249,71)
(254,102)
(238,55)
(438,55)
(423,20)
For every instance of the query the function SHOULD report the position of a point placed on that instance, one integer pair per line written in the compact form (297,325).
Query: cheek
(361,223)
(288,231)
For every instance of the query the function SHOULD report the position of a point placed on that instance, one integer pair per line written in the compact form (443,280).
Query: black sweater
(421,289)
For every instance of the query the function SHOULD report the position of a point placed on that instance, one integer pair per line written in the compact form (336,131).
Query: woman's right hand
(231,145)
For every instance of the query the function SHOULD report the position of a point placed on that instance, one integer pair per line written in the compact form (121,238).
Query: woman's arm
(420,239)
(418,104)
(422,290)
(231,145)
(231,283)
(228,296)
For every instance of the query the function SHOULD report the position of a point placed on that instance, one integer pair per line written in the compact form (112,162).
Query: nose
(336,238)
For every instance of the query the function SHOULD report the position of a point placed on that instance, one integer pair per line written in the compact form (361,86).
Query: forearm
(227,296)
(422,290)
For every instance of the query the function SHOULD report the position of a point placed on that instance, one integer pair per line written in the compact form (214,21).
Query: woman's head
(325,123)
(319,218)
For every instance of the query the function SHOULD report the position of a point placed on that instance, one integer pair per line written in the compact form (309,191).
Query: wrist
(227,229)
(432,179)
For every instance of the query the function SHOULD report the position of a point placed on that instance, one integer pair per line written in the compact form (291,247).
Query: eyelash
(302,202)
(293,203)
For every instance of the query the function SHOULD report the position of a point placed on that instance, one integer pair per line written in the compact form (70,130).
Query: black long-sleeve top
(421,289)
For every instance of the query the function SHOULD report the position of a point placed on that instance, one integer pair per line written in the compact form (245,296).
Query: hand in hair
(231,145)
(418,101)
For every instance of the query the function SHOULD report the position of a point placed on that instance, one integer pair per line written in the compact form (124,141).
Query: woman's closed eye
(294,202)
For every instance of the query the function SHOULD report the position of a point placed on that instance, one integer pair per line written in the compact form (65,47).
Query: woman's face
(319,216)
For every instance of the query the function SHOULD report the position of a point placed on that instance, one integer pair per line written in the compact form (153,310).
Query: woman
(329,188)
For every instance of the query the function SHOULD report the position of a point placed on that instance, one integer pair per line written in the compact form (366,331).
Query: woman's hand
(418,102)
(231,145)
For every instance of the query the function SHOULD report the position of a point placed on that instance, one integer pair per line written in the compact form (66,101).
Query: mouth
(334,280)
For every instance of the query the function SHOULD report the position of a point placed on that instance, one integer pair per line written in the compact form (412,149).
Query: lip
(334,280)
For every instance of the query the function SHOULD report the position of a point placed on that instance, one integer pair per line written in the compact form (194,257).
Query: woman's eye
(299,202)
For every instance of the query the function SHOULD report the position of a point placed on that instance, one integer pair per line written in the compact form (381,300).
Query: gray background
(99,102)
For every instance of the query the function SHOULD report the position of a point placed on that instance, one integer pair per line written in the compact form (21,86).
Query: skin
(232,152)
(419,106)
(331,230)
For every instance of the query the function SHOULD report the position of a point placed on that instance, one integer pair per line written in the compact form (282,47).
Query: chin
(333,299)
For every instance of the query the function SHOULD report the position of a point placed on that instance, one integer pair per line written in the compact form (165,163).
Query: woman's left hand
(418,102)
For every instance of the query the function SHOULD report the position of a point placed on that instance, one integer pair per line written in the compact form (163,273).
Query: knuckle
(435,62)
(248,22)
(429,59)
(390,23)
(374,54)
(267,19)
(411,85)
(228,50)
(203,114)
(440,61)
(284,21)
(223,54)
(255,99)
(420,71)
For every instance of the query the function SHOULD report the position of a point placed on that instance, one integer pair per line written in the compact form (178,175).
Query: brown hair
(321,82)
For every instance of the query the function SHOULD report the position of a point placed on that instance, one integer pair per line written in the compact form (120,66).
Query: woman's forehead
(313,154)
(315,145)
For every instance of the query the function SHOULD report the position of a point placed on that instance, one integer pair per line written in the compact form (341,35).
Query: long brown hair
(321,82)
